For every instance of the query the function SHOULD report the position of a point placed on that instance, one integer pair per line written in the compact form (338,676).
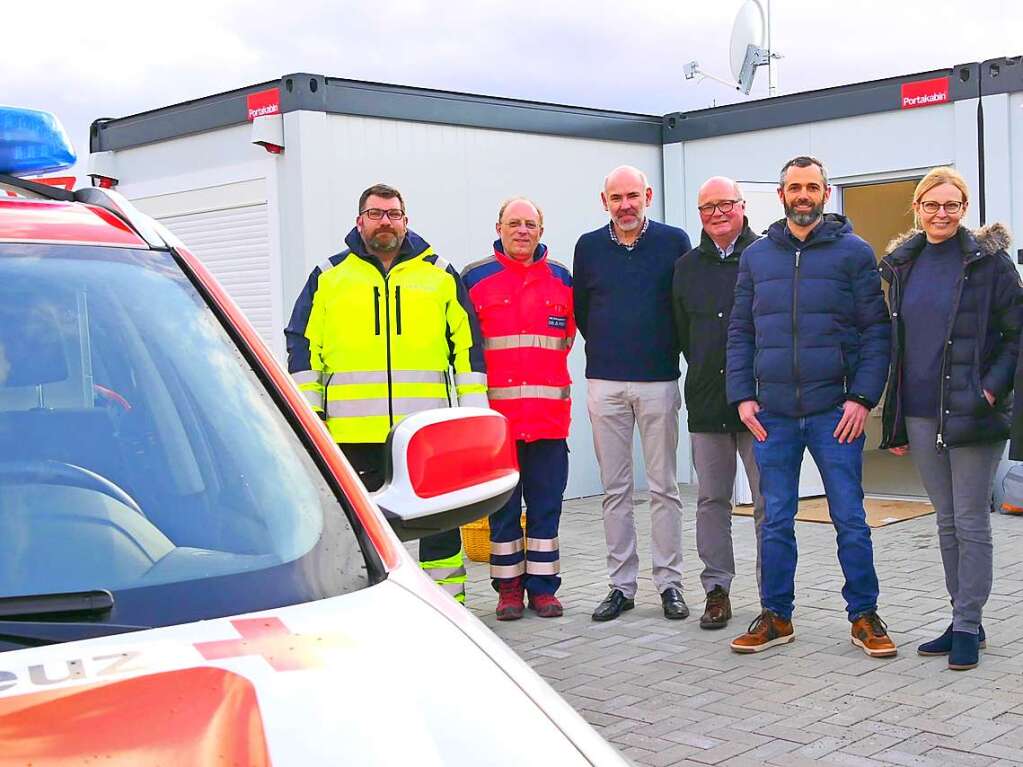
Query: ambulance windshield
(140,454)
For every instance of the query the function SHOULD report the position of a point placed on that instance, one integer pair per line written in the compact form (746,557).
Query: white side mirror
(447,467)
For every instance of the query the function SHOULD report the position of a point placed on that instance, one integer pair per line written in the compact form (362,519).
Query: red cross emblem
(270,638)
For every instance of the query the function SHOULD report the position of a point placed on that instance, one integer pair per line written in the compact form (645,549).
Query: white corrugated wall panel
(234,244)
(454,179)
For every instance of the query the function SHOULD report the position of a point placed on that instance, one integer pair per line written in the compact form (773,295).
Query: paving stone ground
(669,693)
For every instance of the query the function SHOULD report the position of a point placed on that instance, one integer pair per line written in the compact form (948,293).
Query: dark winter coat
(702,293)
(810,328)
(981,339)
(1016,433)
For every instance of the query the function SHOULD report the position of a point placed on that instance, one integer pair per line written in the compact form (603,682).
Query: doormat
(880,511)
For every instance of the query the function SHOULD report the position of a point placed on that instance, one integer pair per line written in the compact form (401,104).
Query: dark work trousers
(368,460)
(543,475)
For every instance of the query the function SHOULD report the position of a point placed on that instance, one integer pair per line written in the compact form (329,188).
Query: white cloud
(125,57)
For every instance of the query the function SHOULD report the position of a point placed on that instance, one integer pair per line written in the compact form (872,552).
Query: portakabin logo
(263,103)
(925,93)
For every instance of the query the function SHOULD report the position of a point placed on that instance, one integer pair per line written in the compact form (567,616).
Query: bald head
(626,196)
(722,210)
(626,173)
(719,187)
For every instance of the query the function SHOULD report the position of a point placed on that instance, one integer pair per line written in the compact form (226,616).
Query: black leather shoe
(613,606)
(674,605)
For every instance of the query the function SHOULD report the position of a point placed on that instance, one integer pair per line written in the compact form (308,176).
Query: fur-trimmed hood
(990,239)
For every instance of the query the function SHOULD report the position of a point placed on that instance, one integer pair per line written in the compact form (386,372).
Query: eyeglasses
(516,223)
(930,207)
(395,214)
(725,206)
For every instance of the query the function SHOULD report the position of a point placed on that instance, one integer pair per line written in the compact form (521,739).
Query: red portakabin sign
(925,93)
(262,103)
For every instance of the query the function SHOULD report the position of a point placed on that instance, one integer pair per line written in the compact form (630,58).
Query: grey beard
(390,246)
(804,219)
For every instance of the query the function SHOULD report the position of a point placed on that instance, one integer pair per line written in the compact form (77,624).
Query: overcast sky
(89,60)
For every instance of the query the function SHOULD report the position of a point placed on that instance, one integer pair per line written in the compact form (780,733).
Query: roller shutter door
(234,245)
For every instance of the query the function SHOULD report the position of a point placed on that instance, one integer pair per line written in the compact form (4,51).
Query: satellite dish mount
(749,48)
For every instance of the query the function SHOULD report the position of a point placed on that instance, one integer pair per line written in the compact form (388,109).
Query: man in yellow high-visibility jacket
(372,339)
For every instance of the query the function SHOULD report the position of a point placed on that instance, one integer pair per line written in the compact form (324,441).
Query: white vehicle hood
(376,677)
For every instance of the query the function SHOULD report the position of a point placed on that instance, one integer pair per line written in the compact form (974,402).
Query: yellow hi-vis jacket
(368,348)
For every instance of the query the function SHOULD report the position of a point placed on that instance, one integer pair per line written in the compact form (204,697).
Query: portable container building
(263,181)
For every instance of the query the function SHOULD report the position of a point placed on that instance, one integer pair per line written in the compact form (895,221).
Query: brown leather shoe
(718,610)
(767,630)
(870,633)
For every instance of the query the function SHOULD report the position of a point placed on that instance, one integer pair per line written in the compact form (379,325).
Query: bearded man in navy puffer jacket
(807,358)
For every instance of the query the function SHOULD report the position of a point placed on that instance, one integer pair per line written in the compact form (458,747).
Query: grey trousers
(958,482)
(714,459)
(616,408)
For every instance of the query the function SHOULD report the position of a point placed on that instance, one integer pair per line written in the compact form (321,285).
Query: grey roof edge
(303,91)
(207,113)
(1002,75)
(341,96)
(813,106)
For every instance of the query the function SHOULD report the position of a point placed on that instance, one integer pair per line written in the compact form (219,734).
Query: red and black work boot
(546,605)
(509,599)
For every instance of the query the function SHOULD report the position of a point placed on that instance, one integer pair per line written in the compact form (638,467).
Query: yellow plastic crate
(476,538)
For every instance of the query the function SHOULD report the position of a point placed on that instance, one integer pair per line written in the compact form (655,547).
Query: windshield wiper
(36,633)
(19,617)
(32,605)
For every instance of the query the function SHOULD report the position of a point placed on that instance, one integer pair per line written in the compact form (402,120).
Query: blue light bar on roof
(32,142)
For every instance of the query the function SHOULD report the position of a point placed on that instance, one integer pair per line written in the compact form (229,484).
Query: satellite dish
(749,29)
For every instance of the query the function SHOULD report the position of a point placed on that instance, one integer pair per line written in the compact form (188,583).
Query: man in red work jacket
(524,304)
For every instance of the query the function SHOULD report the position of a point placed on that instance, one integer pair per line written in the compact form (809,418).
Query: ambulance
(190,571)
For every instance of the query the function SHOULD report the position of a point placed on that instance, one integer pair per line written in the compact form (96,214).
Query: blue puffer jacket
(809,327)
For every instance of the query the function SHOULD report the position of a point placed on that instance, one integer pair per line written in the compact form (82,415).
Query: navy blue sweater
(623,304)
(927,301)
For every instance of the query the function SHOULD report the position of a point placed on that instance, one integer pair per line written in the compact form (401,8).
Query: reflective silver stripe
(527,341)
(470,379)
(380,377)
(306,377)
(353,408)
(358,377)
(482,261)
(444,573)
(543,568)
(326,266)
(418,376)
(442,264)
(454,589)
(506,547)
(407,405)
(542,544)
(507,571)
(314,398)
(529,392)
(473,399)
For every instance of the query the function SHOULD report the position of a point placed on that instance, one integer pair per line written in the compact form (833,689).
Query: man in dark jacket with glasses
(703,290)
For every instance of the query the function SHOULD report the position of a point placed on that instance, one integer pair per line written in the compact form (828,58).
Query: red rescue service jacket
(525,314)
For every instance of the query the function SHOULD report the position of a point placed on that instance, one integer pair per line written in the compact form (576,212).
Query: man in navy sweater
(622,295)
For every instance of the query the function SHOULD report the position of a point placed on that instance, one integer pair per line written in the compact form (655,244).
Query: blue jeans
(841,466)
